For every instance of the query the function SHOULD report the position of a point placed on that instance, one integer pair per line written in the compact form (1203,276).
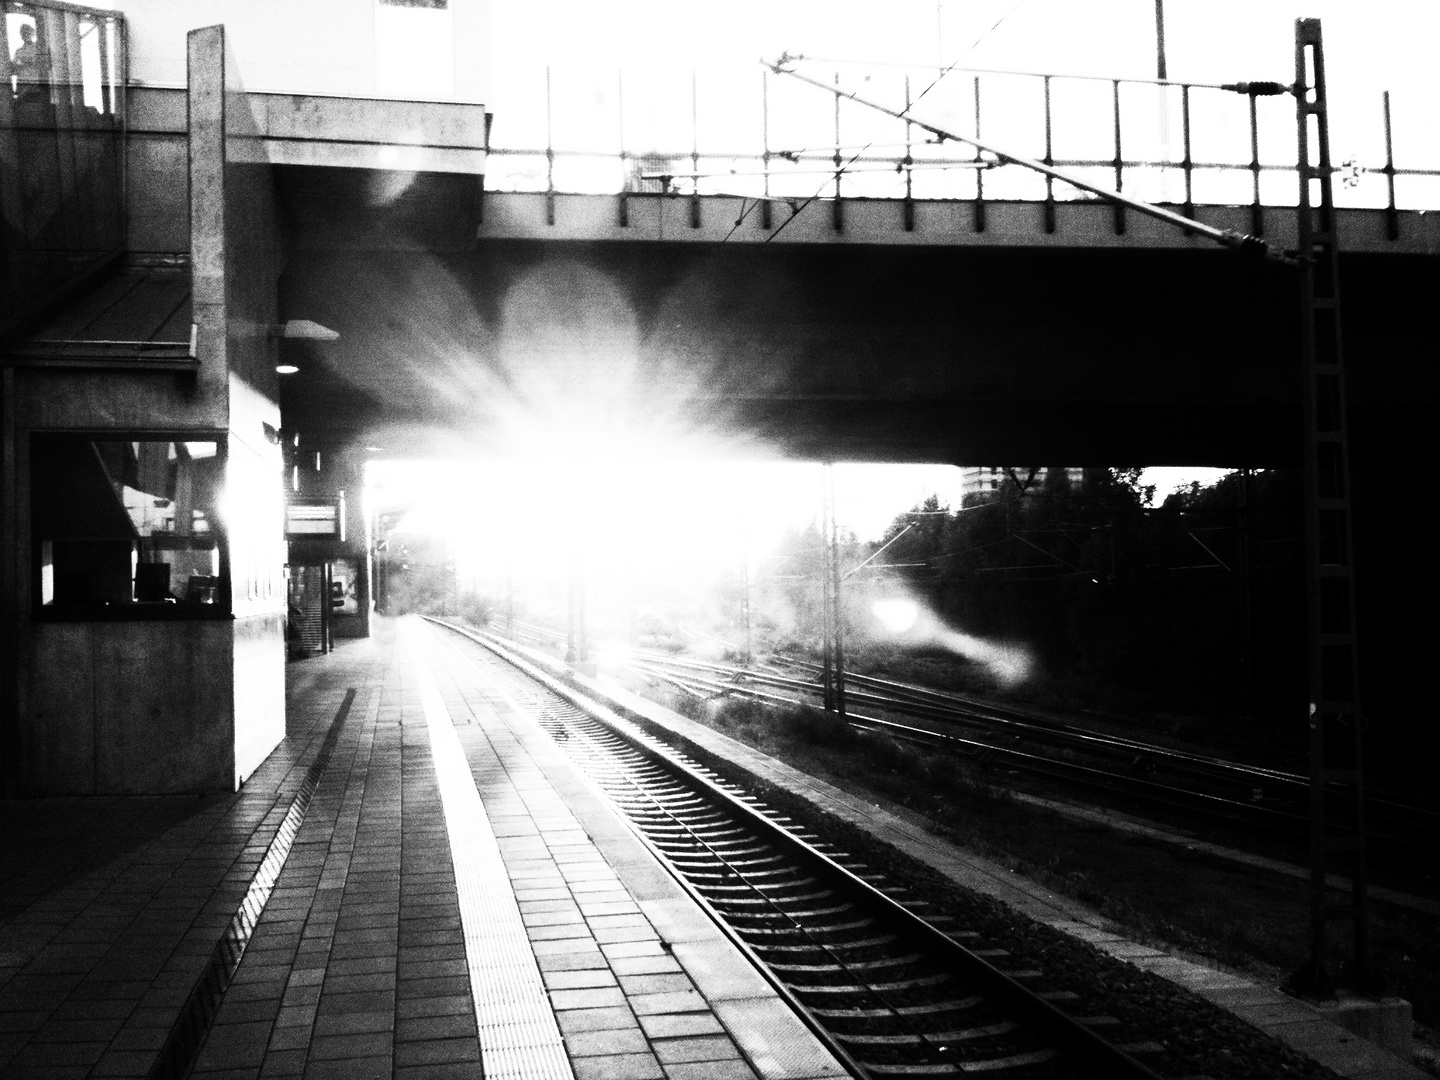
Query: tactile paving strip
(519,1037)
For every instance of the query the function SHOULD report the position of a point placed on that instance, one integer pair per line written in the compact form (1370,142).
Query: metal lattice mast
(1335,716)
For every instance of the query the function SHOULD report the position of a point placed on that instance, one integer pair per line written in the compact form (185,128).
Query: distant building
(979,479)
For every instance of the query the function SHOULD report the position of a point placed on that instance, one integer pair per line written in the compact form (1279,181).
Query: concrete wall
(259,690)
(156,154)
(235,259)
(133,708)
(356,48)
(114,707)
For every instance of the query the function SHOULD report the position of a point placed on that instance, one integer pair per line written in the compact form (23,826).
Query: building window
(128,527)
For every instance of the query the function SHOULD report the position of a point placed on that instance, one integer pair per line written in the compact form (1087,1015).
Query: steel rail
(696,894)
(1066,1032)
(1238,771)
(550,683)
(1402,827)
(773,903)
(1073,772)
(1400,834)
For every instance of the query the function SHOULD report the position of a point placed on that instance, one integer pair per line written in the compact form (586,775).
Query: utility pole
(834,618)
(838,617)
(827,654)
(577,650)
(510,597)
(631,623)
(745,600)
(1247,617)
(1160,41)
(1162,73)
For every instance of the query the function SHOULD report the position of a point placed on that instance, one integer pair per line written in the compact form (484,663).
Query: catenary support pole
(836,620)
(1335,715)
(827,647)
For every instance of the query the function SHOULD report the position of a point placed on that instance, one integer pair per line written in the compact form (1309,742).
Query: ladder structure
(1337,794)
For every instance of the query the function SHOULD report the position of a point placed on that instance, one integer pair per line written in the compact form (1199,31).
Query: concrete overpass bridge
(867,342)
(145,322)
(922,300)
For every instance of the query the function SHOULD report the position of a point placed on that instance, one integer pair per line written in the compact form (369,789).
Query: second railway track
(1398,827)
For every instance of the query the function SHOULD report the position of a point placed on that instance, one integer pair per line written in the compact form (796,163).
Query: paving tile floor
(357,966)
(94,969)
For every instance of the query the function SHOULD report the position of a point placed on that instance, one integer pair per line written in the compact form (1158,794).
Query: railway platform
(412,885)
(417,883)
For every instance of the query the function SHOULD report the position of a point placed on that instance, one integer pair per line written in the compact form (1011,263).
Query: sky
(1371,46)
(1384,43)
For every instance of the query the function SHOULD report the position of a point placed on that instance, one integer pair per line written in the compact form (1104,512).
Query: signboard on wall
(310,519)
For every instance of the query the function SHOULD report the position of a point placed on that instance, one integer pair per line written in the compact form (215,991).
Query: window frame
(101,611)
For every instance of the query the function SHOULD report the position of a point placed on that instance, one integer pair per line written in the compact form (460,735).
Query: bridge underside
(867,352)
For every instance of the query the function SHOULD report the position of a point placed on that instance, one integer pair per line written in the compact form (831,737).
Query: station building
(166,537)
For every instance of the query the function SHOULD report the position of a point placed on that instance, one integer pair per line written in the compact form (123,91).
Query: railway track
(896,992)
(1397,826)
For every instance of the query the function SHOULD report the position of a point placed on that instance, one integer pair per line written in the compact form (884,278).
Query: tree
(1121,603)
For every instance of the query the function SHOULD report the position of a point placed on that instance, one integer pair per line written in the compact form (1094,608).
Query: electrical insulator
(1257,89)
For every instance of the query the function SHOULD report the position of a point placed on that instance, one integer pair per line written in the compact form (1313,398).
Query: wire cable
(796,211)
(973,46)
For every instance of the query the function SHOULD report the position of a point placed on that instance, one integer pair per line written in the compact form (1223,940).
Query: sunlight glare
(913,621)
(1009,664)
(897,616)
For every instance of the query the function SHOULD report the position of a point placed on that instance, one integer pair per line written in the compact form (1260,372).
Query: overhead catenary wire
(798,210)
(846,168)
(973,46)
(1226,237)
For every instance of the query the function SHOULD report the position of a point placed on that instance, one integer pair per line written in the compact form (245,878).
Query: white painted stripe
(518,1034)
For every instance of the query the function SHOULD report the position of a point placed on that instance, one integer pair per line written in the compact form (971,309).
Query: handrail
(763,137)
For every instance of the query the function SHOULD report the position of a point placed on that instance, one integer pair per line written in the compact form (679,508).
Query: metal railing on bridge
(759,135)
